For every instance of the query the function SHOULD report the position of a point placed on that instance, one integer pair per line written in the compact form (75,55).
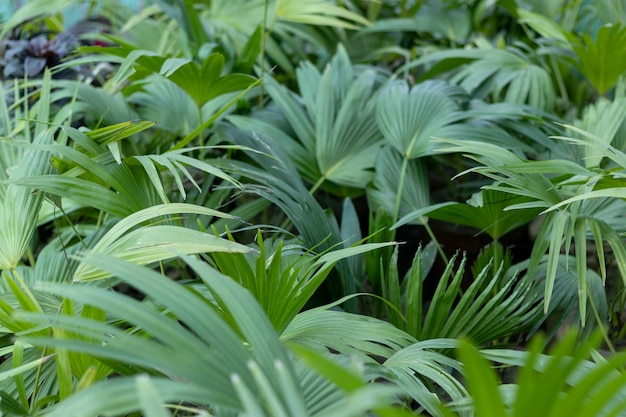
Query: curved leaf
(153,243)
(409,119)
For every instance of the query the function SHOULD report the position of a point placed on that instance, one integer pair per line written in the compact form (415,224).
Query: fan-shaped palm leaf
(506,73)
(598,61)
(278,181)
(484,211)
(563,383)
(409,118)
(333,121)
(153,243)
(560,188)
(426,375)
(283,279)
(206,356)
(172,349)
(477,312)
(19,206)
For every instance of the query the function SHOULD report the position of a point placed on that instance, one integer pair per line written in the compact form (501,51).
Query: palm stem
(596,314)
(262,57)
(16,275)
(433,238)
(396,210)
(200,136)
(496,257)
(317,185)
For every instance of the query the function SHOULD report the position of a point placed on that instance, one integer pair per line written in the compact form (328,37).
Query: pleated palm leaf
(285,20)
(330,132)
(580,197)
(25,392)
(19,206)
(94,170)
(484,211)
(605,120)
(90,171)
(565,303)
(496,306)
(95,173)
(583,38)
(408,118)
(572,380)
(273,177)
(565,191)
(424,374)
(155,242)
(512,75)
(595,56)
(283,278)
(218,353)
(201,82)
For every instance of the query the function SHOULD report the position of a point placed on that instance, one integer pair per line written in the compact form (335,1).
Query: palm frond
(19,205)
(477,312)
(176,162)
(562,383)
(333,121)
(284,278)
(596,56)
(278,181)
(508,74)
(409,118)
(171,348)
(152,243)
(427,375)
(383,193)
(484,211)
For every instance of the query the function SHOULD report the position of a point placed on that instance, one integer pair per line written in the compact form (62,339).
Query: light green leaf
(559,222)
(482,383)
(32,10)
(153,243)
(408,119)
(598,60)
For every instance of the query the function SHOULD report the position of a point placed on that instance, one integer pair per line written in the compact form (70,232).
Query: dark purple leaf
(33,66)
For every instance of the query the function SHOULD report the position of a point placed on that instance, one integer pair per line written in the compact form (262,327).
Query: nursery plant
(312,208)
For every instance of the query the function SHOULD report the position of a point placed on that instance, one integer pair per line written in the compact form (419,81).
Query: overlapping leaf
(154,242)
(333,121)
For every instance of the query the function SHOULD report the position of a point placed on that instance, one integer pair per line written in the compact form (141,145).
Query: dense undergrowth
(313,208)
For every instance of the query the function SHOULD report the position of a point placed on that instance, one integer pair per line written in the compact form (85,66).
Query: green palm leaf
(201,82)
(562,383)
(409,118)
(152,243)
(172,348)
(277,180)
(383,193)
(426,375)
(598,59)
(485,211)
(245,16)
(284,278)
(19,206)
(508,74)
(334,122)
